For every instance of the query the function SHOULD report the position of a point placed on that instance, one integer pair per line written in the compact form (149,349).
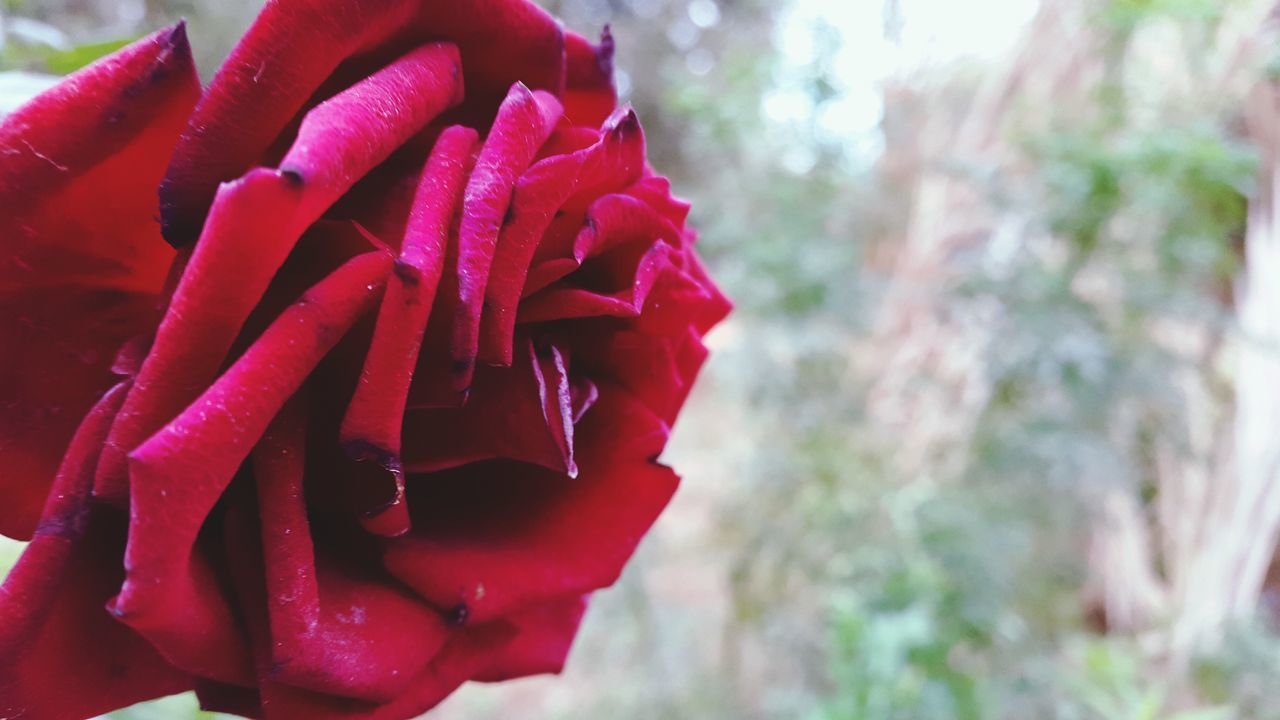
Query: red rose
(388,405)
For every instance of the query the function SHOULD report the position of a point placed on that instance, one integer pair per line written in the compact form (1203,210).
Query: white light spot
(704,13)
(683,34)
(700,61)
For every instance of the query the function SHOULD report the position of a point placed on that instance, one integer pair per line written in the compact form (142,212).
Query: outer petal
(466,653)
(659,371)
(229,699)
(491,538)
(79,165)
(59,345)
(544,636)
(80,253)
(589,93)
(294,47)
(61,654)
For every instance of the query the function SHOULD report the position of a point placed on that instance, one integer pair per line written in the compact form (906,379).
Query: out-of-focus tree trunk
(929,349)
(1239,510)
(1197,555)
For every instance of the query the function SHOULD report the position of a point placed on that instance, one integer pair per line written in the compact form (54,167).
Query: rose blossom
(387,406)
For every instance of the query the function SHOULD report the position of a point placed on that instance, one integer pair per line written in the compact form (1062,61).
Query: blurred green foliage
(68,61)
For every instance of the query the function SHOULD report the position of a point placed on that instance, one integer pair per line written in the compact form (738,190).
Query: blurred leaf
(63,62)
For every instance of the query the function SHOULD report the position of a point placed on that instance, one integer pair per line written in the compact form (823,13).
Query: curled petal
(656,191)
(247,239)
(525,121)
(616,220)
(347,135)
(294,48)
(253,226)
(558,187)
(618,288)
(680,301)
(166,594)
(537,196)
(371,427)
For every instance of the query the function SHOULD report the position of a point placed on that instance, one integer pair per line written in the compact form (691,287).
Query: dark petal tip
(177,233)
(457,615)
(625,124)
(407,273)
(604,52)
(178,40)
(363,450)
(463,365)
(293,177)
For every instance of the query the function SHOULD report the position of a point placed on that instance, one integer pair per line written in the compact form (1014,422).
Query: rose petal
(589,93)
(61,654)
(618,288)
(491,538)
(717,307)
(334,629)
(525,121)
(371,427)
(617,219)
(293,48)
(467,654)
(253,225)
(656,191)
(554,187)
(544,636)
(519,413)
(458,660)
(537,196)
(72,287)
(567,140)
(92,147)
(247,239)
(166,596)
(63,344)
(658,371)
(347,135)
